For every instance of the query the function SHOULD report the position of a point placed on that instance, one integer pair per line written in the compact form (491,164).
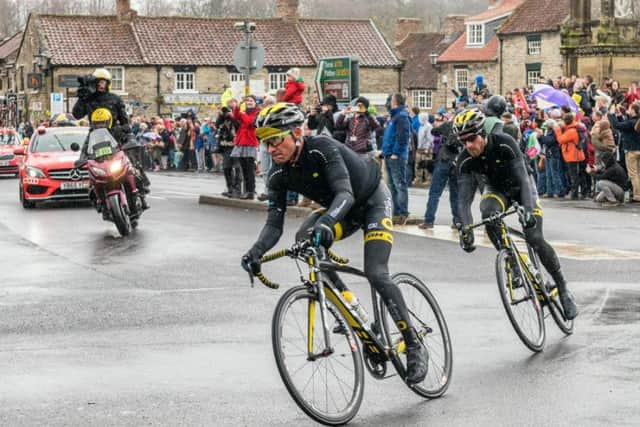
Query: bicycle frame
(319,262)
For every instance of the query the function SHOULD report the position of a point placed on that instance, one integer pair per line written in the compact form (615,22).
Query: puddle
(622,307)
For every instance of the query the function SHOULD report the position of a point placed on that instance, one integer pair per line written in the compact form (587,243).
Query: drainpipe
(500,61)
(158,68)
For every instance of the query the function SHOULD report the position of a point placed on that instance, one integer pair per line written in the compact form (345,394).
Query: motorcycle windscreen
(101,144)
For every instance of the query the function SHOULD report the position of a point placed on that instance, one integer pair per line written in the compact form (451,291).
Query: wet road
(162,328)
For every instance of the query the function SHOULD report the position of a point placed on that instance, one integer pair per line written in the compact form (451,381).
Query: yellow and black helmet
(468,122)
(101,118)
(278,118)
(102,74)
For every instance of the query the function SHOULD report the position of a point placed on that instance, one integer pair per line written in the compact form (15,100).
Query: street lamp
(248,28)
(41,60)
(433,58)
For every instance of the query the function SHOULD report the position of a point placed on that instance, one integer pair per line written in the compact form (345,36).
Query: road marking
(563,249)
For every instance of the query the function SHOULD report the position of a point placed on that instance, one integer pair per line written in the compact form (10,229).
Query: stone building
(476,51)
(8,53)
(529,44)
(602,38)
(420,80)
(166,65)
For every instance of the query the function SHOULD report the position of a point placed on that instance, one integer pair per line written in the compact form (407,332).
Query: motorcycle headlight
(35,172)
(98,171)
(116,167)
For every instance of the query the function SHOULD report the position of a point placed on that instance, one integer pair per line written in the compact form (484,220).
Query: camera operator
(94,93)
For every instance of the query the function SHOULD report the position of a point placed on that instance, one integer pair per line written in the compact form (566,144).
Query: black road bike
(321,344)
(527,291)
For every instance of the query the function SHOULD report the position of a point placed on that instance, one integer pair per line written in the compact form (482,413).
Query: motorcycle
(113,190)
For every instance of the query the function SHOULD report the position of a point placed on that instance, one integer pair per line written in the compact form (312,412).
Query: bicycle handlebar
(295,251)
(497,217)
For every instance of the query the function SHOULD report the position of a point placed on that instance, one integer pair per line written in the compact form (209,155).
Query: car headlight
(98,171)
(116,167)
(35,172)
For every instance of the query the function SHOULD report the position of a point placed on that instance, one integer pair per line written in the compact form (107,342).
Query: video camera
(88,82)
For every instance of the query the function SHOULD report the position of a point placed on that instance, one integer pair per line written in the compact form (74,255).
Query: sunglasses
(276,139)
(469,138)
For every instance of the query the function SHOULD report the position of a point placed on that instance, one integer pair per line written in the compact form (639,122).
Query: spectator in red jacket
(294,87)
(245,148)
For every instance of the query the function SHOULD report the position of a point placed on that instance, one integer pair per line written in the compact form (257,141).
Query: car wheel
(25,203)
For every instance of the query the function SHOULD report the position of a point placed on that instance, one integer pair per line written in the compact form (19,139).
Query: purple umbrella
(547,97)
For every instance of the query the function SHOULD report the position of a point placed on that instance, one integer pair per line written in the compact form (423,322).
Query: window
(422,99)
(117,78)
(236,77)
(475,34)
(534,45)
(277,81)
(462,78)
(534,71)
(185,82)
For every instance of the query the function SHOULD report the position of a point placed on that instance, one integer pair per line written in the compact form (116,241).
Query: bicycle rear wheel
(427,318)
(328,388)
(553,301)
(520,301)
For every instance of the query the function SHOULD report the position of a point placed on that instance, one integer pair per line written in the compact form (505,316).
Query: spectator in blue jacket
(630,143)
(395,148)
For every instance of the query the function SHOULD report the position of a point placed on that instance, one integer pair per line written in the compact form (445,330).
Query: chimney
(406,26)
(124,11)
(453,24)
(287,9)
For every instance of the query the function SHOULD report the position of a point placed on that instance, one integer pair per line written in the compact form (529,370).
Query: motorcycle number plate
(103,151)
(77,185)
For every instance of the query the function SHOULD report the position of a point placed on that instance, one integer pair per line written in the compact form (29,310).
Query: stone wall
(515,57)
(489,71)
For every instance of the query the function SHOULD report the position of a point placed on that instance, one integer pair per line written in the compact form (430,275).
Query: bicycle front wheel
(427,318)
(520,301)
(327,385)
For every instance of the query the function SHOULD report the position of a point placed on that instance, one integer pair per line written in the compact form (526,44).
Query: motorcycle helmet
(468,122)
(101,118)
(103,74)
(275,119)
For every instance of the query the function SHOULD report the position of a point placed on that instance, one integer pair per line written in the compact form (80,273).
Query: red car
(48,172)
(9,162)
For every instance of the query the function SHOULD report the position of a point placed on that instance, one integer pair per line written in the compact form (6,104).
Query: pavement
(162,328)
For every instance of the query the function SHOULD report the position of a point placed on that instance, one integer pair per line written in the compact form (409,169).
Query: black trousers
(575,178)
(248,166)
(232,172)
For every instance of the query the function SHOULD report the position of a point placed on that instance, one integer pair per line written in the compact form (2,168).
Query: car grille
(65,174)
(71,193)
(6,157)
(36,189)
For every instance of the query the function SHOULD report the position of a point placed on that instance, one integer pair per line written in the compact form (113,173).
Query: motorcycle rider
(95,93)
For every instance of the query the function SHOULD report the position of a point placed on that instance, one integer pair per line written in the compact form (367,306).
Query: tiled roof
(197,41)
(460,52)
(89,40)
(418,72)
(327,38)
(92,40)
(536,16)
(500,9)
(10,46)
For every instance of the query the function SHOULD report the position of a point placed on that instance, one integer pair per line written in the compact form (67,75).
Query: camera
(88,83)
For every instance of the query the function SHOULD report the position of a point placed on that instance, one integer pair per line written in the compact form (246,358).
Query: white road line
(563,249)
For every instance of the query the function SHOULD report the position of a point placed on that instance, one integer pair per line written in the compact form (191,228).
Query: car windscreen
(58,141)
(8,140)
(101,143)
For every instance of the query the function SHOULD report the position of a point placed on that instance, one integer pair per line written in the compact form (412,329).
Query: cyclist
(350,189)
(498,158)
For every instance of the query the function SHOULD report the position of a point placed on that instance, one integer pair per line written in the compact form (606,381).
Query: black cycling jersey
(503,169)
(326,172)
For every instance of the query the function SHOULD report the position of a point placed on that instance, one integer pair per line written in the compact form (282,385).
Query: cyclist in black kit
(498,158)
(350,190)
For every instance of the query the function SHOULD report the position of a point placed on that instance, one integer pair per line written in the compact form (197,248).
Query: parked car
(9,161)
(48,172)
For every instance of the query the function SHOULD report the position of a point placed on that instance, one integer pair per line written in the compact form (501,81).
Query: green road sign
(338,77)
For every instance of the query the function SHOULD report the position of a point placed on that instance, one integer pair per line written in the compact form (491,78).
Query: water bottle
(355,305)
